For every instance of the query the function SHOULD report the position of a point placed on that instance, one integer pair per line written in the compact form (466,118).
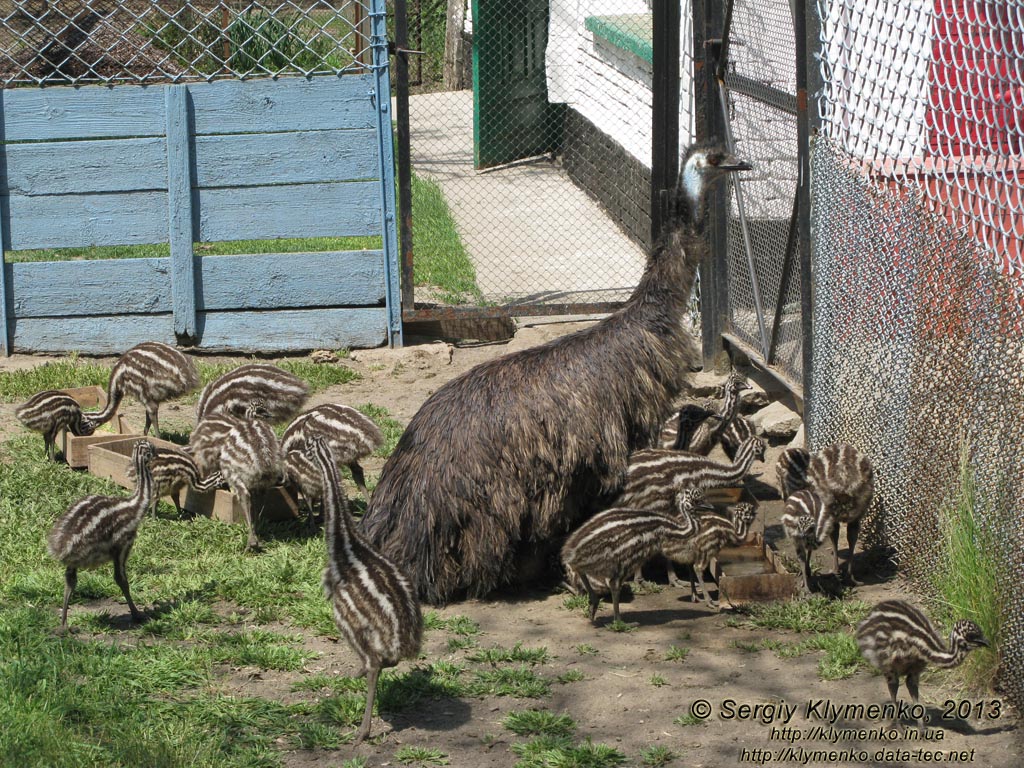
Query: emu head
(142,454)
(702,165)
(736,383)
(689,498)
(968,633)
(257,409)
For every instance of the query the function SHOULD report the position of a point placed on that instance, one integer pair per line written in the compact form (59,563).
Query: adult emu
(514,453)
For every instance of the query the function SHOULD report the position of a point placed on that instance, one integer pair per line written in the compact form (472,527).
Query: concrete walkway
(531,233)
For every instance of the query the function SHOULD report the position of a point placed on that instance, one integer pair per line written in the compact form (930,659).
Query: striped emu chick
(791,469)
(350,434)
(150,372)
(900,641)
(174,471)
(49,412)
(101,529)
(282,393)
(734,435)
(708,433)
(374,604)
(687,501)
(245,452)
(715,531)
(655,475)
(802,515)
(612,544)
(677,431)
(844,479)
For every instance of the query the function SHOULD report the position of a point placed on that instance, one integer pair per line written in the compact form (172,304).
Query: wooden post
(5,300)
(664,110)
(455,46)
(179,204)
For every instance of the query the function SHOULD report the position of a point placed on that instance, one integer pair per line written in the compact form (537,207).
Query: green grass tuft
(441,259)
(410,755)
(586,649)
(815,614)
(676,653)
(655,757)
(457,625)
(618,625)
(658,681)
(688,719)
(533,722)
(21,384)
(499,655)
(520,682)
(559,752)
(572,676)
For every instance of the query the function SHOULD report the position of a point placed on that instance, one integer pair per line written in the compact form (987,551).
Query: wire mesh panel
(109,41)
(763,273)
(536,145)
(919,300)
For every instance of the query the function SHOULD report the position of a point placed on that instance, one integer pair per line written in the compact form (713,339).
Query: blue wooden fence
(178,164)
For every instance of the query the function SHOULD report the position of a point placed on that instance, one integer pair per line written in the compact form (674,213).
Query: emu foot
(254,545)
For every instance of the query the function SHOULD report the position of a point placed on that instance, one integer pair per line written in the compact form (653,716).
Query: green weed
(676,653)
(409,755)
(499,655)
(655,757)
(520,682)
(533,722)
(572,676)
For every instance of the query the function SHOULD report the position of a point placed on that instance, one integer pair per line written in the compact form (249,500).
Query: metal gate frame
(711,29)
(666,18)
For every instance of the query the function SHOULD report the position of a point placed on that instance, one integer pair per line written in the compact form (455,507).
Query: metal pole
(664,110)
(803,64)
(404,159)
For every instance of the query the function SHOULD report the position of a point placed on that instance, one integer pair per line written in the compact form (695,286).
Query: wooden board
(76,448)
(752,572)
(111,459)
(723,495)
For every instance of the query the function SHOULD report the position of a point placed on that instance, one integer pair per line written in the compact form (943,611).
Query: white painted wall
(609,86)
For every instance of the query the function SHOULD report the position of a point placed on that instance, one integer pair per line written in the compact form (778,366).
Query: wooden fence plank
(86,112)
(94,335)
(293,330)
(73,167)
(286,104)
(68,221)
(285,158)
(179,213)
(73,288)
(270,281)
(303,210)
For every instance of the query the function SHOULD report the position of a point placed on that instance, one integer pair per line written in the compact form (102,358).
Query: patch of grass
(461,643)
(655,757)
(409,755)
(676,653)
(499,655)
(533,722)
(622,626)
(658,681)
(390,427)
(320,376)
(842,656)
(973,560)
(688,719)
(355,762)
(457,625)
(764,644)
(577,604)
(560,752)
(815,614)
(520,682)
(441,259)
(21,384)
(586,649)
(259,648)
(647,588)
(399,692)
(572,676)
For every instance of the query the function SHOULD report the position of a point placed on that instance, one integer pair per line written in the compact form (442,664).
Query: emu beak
(732,163)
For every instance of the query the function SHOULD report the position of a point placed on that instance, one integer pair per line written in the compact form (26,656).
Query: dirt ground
(620,700)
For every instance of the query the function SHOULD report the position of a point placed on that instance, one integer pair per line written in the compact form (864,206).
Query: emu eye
(715,158)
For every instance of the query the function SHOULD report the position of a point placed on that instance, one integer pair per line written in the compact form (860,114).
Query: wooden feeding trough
(111,459)
(752,572)
(76,447)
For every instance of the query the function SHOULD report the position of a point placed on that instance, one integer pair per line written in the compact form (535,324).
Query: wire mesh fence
(763,244)
(919,296)
(47,42)
(541,150)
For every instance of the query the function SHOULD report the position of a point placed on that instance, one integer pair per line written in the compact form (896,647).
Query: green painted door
(512,118)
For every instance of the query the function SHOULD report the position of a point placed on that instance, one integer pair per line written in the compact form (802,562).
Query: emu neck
(667,282)
(115,395)
(744,458)
(338,528)
(144,489)
(951,658)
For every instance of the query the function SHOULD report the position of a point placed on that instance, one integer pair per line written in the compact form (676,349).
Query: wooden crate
(752,572)
(76,447)
(723,495)
(111,459)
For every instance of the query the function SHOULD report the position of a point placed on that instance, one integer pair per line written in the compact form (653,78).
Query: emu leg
(153,418)
(670,573)
(245,501)
(591,595)
(371,694)
(176,498)
(834,536)
(70,581)
(912,678)
(360,479)
(892,680)
(615,584)
(50,445)
(852,531)
(699,572)
(122,581)
(805,557)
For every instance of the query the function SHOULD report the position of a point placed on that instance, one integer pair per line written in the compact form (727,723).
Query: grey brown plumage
(844,479)
(151,373)
(899,640)
(100,529)
(350,434)
(791,471)
(802,515)
(282,393)
(374,604)
(708,433)
(734,435)
(677,431)
(49,412)
(687,501)
(174,471)
(655,475)
(500,462)
(612,544)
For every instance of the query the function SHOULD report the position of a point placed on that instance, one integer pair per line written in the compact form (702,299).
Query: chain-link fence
(919,283)
(46,42)
(537,132)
